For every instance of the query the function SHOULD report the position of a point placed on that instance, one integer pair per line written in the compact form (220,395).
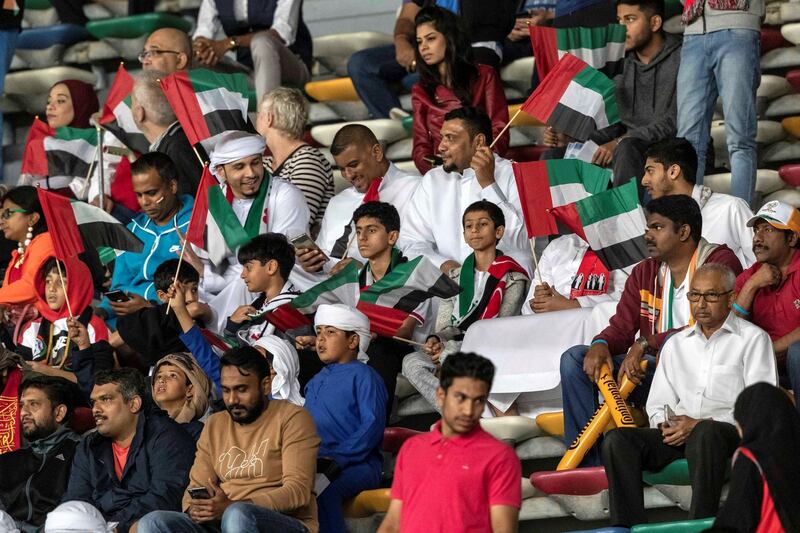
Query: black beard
(251,414)
(39,432)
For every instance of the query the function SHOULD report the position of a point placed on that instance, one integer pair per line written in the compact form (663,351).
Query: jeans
(793,369)
(238,518)
(351,481)
(8,43)
(376,73)
(579,395)
(723,63)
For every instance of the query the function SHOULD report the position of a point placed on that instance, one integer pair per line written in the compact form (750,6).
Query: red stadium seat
(393,438)
(575,482)
(793,77)
(790,174)
(771,39)
(81,420)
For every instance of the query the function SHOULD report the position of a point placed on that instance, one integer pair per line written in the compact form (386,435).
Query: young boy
(492,285)
(347,401)
(267,260)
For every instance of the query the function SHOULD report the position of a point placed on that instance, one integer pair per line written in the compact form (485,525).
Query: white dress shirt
(725,222)
(285,20)
(432,225)
(701,377)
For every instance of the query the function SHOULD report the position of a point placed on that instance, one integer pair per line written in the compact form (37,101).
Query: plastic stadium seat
(544,447)
(517,74)
(385,129)
(29,88)
(790,33)
(575,482)
(394,437)
(790,174)
(408,123)
(404,388)
(785,106)
(528,490)
(42,47)
(772,38)
(769,132)
(793,77)
(511,428)
(681,526)
(790,11)
(781,151)
(767,181)
(675,473)
(338,89)
(792,126)
(37,5)
(523,119)
(772,86)
(333,51)
(81,420)
(551,423)
(368,503)
(90,52)
(414,405)
(127,34)
(781,58)
(788,196)
(673,25)
(772,17)
(604,530)
(39,13)
(401,150)
(523,154)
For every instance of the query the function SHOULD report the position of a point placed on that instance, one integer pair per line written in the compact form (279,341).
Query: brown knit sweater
(271,462)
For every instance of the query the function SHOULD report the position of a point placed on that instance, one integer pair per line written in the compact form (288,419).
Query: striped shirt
(310,171)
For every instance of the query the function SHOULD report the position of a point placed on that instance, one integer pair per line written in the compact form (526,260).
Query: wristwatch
(234,43)
(643,344)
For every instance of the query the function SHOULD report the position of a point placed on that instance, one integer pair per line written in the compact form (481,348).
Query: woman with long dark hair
(450,79)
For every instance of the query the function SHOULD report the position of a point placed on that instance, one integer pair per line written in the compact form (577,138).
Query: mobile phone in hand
(669,415)
(199,493)
(117,296)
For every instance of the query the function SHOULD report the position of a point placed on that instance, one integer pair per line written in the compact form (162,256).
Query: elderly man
(153,115)
(768,293)
(701,371)
(373,177)
(167,50)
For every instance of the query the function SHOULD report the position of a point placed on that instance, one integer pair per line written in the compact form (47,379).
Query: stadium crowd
(213,407)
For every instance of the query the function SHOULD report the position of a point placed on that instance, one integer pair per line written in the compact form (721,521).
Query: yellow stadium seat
(338,89)
(551,423)
(792,126)
(523,119)
(368,503)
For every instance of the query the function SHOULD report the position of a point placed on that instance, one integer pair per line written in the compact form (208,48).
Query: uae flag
(117,116)
(342,288)
(602,48)
(34,159)
(213,226)
(543,185)
(60,155)
(574,99)
(75,226)
(208,103)
(611,222)
(389,301)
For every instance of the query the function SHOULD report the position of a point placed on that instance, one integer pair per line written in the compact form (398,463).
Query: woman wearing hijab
(181,388)
(765,481)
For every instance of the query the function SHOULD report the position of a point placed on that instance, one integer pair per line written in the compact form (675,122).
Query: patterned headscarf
(196,406)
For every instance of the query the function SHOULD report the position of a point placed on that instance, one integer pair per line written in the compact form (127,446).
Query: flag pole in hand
(505,128)
(64,286)
(535,259)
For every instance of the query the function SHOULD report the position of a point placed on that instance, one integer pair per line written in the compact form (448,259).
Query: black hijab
(770,428)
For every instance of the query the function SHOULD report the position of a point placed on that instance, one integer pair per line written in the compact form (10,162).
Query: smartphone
(669,414)
(433,160)
(199,493)
(305,241)
(117,296)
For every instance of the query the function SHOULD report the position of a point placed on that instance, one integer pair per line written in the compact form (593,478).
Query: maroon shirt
(776,310)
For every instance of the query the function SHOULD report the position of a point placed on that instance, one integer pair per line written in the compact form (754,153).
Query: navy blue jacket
(155,476)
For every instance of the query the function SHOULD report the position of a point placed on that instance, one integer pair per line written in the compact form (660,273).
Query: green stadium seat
(681,526)
(675,473)
(128,34)
(43,47)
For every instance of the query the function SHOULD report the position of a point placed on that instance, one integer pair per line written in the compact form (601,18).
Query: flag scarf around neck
(75,226)
(390,300)
(207,103)
(574,99)
(372,195)
(10,428)
(601,48)
(214,227)
(117,116)
(467,303)
(668,294)
(58,155)
(543,185)
(611,222)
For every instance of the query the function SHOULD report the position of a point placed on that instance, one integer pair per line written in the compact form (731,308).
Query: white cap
(76,516)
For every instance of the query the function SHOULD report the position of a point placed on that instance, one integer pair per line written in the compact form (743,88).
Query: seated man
(167,50)
(139,459)
(671,168)
(361,159)
(767,293)
(701,371)
(35,477)
(347,401)
(492,285)
(457,477)
(268,36)
(256,461)
(155,181)
(646,92)
(470,172)
(153,115)
(654,304)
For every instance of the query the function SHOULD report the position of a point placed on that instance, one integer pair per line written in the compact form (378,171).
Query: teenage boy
(347,401)
(492,285)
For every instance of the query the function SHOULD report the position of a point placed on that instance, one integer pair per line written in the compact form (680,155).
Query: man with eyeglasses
(768,293)
(702,369)
(167,50)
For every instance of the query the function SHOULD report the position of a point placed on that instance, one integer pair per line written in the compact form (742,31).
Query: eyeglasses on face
(5,214)
(154,53)
(710,297)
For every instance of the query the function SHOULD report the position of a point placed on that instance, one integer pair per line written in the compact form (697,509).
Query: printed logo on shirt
(60,457)
(239,464)
(175,248)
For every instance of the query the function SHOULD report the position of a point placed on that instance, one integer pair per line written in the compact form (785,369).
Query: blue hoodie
(133,272)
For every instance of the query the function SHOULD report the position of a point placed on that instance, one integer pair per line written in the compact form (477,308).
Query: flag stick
(175,280)
(535,260)
(407,341)
(88,178)
(64,286)
(349,242)
(102,170)
(202,163)
(504,129)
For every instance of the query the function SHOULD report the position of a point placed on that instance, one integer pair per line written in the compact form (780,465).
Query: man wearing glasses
(167,50)
(768,293)
(701,371)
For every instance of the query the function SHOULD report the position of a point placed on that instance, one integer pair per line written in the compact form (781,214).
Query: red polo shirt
(449,485)
(776,310)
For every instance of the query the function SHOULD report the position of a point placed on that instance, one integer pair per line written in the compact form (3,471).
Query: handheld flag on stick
(58,155)
(601,48)
(117,115)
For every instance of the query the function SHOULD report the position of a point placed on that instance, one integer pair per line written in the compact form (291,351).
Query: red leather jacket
(487,94)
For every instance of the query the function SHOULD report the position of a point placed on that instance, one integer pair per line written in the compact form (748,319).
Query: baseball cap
(779,215)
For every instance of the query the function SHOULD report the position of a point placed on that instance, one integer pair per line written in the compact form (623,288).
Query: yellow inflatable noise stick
(595,426)
(619,409)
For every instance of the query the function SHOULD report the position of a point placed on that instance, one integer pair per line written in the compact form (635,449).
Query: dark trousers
(386,357)
(629,451)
